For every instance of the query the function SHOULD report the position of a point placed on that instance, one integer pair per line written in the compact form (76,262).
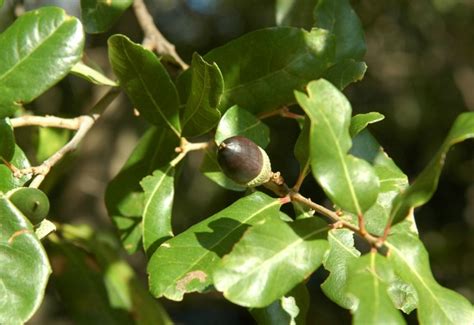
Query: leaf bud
(244,162)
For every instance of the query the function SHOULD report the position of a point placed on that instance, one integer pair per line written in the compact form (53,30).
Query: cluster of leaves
(252,252)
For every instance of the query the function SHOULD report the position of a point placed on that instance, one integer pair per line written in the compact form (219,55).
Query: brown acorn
(244,162)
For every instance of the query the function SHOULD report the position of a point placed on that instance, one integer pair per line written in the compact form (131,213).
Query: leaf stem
(153,39)
(185,147)
(283,112)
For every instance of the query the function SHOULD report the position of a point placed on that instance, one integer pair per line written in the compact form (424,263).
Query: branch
(153,39)
(82,124)
(279,187)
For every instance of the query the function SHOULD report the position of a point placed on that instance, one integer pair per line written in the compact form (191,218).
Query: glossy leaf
(124,197)
(368,284)
(238,121)
(100,16)
(206,88)
(341,256)
(211,169)
(392,180)
(108,284)
(84,71)
(146,82)
(185,263)
(31,202)
(38,50)
(425,184)
(7,180)
(436,304)
(298,13)
(290,309)
(276,62)
(25,266)
(338,17)
(270,259)
(7,140)
(360,121)
(345,72)
(159,194)
(350,182)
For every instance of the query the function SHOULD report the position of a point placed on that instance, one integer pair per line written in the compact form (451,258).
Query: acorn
(244,162)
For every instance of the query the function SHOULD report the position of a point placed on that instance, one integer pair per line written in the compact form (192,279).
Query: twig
(186,147)
(278,186)
(153,39)
(301,177)
(81,123)
(283,112)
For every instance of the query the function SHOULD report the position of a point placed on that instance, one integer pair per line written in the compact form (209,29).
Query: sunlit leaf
(38,50)
(350,182)
(276,62)
(124,197)
(368,279)
(360,121)
(84,71)
(99,16)
(436,304)
(146,82)
(270,259)
(425,184)
(340,257)
(159,194)
(338,17)
(238,121)
(185,263)
(203,97)
(25,267)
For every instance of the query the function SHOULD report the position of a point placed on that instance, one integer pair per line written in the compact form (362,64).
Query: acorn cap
(244,162)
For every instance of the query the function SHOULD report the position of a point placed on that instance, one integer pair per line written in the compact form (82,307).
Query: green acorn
(244,162)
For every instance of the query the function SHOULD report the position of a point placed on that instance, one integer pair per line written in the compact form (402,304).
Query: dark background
(420,76)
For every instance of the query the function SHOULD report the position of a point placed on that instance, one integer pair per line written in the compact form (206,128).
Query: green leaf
(270,259)
(107,282)
(297,13)
(368,284)
(238,121)
(436,305)
(360,121)
(146,82)
(84,71)
(345,72)
(290,309)
(7,139)
(211,169)
(185,263)
(38,50)
(100,16)
(338,17)
(159,194)
(206,88)
(350,182)
(425,185)
(124,197)
(301,150)
(25,266)
(7,180)
(31,202)
(341,256)
(276,62)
